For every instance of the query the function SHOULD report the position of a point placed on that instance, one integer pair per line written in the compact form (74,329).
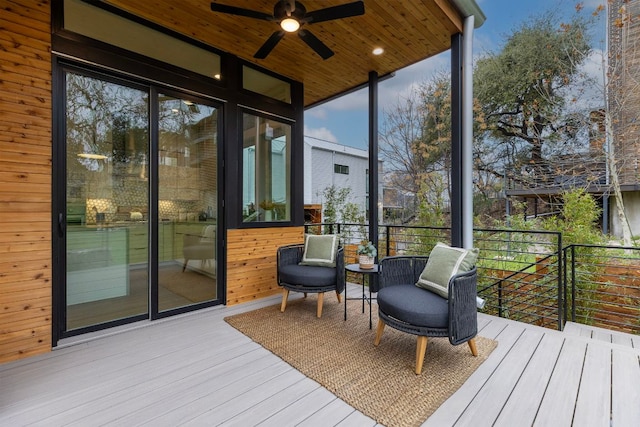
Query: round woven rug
(378,381)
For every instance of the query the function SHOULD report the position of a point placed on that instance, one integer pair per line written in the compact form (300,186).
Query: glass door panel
(107,193)
(187,202)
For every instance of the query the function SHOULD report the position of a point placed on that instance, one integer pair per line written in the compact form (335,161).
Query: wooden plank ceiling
(408,30)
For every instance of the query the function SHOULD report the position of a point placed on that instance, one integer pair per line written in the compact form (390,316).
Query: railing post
(560,284)
(500,298)
(573,283)
(564,280)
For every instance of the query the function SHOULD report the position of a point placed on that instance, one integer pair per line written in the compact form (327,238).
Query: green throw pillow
(445,262)
(320,250)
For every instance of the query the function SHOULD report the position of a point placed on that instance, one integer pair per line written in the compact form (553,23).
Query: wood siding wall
(251,261)
(25,178)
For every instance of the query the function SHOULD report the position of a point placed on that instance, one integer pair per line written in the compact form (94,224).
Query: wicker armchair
(408,308)
(307,278)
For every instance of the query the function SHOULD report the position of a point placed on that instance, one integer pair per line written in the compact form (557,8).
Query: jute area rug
(378,381)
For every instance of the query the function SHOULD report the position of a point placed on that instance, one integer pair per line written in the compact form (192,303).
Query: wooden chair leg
(285,295)
(472,346)
(339,297)
(421,349)
(379,331)
(320,301)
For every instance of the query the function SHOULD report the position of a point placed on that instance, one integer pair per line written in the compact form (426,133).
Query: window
(264,84)
(342,169)
(97,23)
(266,160)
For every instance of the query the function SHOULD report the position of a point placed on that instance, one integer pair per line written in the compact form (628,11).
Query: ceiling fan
(291,16)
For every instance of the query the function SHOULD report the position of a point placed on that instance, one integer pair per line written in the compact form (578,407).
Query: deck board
(593,406)
(488,404)
(195,369)
(601,334)
(625,384)
(297,411)
(451,410)
(532,385)
(558,403)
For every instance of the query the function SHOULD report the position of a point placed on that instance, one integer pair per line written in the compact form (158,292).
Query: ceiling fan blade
(336,12)
(315,44)
(232,10)
(268,46)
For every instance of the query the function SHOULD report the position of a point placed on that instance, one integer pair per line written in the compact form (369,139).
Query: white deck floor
(198,370)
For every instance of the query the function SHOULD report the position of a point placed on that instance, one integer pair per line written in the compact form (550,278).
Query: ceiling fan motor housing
(282,10)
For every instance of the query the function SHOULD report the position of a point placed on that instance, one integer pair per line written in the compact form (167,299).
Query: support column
(462,136)
(467,137)
(456,141)
(373,158)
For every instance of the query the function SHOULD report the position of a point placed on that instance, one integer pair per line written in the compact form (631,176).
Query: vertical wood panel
(25,181)
(251,261)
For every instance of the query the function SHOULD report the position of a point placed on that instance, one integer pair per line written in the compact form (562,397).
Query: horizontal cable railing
(603,286)
(520,275)
(567,171)
(526,275)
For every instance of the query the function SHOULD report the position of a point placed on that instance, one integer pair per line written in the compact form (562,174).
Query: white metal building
(327,163)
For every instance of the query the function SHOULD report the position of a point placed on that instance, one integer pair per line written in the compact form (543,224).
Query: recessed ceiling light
(216,76)
(378,51)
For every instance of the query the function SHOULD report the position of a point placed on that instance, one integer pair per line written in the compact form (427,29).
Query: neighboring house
(624,98)
(329,164)
(541,187)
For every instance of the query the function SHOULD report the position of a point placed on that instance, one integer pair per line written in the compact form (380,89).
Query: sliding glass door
(107,201)
(187,202)
(140,226)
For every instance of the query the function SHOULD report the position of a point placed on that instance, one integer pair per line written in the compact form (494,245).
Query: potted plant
(366,254)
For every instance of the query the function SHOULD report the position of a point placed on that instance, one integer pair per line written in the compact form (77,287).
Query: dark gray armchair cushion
(307,275)
(414,305)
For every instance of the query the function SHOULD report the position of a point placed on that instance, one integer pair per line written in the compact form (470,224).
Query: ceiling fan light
(92,156)
(290,25)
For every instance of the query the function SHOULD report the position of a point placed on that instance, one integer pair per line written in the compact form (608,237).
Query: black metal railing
(603,286)
(527,275)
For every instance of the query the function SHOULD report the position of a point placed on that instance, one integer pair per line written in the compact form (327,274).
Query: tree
(416,147)
(416,142)
(337,208)
(416,128)
(523,89)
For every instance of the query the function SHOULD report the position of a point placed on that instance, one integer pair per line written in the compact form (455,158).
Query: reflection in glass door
(187,202)
(109,274)
(107,193)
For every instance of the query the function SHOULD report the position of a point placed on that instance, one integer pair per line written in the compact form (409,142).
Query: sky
(344,120)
